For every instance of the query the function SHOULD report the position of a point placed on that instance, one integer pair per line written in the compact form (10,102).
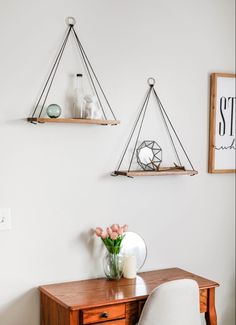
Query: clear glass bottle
(78,104)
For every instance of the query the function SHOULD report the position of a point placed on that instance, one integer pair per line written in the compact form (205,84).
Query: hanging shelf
(163,171)
(151,164)
(72,120)
(96,86)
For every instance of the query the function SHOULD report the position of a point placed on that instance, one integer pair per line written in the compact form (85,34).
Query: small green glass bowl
(53,111)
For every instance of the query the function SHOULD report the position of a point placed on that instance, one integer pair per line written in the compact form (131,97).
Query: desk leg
(211,318)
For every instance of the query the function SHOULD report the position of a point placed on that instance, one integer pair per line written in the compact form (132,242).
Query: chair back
(173,303)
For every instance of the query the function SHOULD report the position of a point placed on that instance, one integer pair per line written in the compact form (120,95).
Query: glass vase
(113,265)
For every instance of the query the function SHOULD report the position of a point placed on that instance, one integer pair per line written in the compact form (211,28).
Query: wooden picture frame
(222,124)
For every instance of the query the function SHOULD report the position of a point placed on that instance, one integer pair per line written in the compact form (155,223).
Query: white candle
(130,267)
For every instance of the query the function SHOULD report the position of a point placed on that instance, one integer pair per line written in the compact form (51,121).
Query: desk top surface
(97,292)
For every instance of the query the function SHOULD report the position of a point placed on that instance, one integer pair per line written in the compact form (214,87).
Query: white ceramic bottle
(78,102)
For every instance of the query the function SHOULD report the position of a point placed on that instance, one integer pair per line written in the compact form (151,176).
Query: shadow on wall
(95,249)
(23,310)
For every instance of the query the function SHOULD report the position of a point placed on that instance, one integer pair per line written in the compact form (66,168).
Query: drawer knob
(104,315)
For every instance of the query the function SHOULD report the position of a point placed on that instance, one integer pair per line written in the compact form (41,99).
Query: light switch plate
(5,219)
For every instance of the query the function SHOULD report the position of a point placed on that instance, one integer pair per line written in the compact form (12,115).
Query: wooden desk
(114,302)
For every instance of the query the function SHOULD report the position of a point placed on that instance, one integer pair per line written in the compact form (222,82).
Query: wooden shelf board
(162,172)
(72,120)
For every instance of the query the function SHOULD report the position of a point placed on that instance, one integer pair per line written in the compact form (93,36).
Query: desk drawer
(114,322)
(102,314)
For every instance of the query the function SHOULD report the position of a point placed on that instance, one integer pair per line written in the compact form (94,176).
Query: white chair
(173,303)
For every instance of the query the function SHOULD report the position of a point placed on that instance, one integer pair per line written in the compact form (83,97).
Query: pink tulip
(109,231)
(120,231)
(115,227)
(125,228)
(114,236)
(104,235)
(98,231)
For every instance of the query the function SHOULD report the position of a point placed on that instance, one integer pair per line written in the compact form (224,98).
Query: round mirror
(133,244)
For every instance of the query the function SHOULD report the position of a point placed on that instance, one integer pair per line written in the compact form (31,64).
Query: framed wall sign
(222,124)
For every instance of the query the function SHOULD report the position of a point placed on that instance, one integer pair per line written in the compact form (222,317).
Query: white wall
(55,178)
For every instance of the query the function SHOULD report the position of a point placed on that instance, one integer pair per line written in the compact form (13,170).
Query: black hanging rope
(51,72)
(132,132)
(91,74)
(172,127)
(55,71)
(142,113)
(167,127)
(140,128)
(87,62)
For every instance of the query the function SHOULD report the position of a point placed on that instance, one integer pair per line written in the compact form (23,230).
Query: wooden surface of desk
(100,301)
